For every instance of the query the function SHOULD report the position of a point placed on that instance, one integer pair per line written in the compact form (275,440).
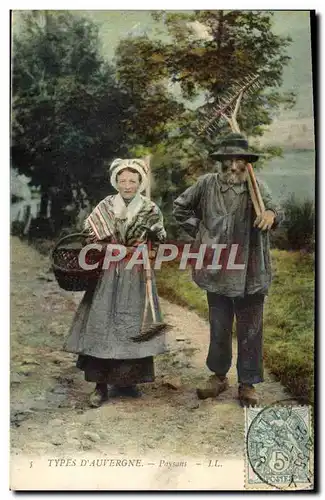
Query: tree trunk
(220,32)
(58,215)
(44,203)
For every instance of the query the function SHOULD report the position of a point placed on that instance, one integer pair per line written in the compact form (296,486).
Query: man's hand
(265,220)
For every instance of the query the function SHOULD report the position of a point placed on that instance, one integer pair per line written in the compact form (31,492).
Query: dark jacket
(203,213)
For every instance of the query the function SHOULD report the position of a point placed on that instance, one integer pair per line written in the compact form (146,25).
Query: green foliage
(68,112)
(233,44)
(70,117)
(299,223)
(175,167)
(289,316)
(298,229)
(178,287)
(198,67)
(154,107)
(17,228)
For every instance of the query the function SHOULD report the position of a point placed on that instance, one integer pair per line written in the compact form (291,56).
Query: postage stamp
(279,448)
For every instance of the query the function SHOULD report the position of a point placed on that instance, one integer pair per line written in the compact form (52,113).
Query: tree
(68,112)
(154,106)
(203,53)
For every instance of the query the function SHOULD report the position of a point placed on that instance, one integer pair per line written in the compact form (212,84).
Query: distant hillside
(297,133)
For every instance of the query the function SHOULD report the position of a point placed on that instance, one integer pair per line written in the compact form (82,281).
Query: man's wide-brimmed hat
(232,146)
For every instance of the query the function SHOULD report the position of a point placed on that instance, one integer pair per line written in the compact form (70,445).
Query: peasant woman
(111,313)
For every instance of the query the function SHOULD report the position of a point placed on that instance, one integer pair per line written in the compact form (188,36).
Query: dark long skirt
(121,372)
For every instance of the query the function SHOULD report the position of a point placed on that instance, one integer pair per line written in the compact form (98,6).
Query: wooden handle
(149,291)
(152,305)
(145,308)
(149,286)
(254,190)
(149,301)
(148,188)
(253,197)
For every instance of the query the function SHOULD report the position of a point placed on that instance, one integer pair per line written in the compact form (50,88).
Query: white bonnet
(136,164)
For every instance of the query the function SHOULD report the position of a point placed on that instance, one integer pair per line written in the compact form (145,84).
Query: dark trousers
(248,311)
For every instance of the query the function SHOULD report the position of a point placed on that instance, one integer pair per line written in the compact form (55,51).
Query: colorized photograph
(162,245)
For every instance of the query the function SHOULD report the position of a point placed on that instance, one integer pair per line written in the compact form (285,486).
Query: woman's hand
(156,233)
(152,232)
(91,239)
(265,220)
(152,254)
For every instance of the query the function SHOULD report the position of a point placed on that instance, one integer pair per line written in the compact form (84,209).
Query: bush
(297,231)
(289,323)
(41,227)
(43,246)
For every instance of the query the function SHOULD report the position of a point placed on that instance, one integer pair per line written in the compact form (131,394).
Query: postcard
(162,250)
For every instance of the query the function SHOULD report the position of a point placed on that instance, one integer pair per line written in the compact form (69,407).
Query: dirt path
(49,397)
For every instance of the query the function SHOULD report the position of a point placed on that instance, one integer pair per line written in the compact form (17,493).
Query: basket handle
(66,238)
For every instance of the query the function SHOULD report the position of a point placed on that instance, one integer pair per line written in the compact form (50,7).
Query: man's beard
(229,177)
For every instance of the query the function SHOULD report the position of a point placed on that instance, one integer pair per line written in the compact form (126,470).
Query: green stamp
(279,448)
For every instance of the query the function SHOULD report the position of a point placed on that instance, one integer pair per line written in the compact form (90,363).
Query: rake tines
(227,103)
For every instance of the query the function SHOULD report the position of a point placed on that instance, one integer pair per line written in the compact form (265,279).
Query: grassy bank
(289,316)
(289,323)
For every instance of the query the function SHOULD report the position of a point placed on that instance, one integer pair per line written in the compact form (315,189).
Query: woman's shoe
(99,395)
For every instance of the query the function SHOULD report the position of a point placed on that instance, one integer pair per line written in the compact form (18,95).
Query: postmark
(279,448)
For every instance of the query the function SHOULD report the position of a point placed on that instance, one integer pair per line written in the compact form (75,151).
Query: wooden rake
(253,188)
(229,102)
(227,110)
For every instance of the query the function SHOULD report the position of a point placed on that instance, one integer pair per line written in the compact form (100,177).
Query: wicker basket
(65,263)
